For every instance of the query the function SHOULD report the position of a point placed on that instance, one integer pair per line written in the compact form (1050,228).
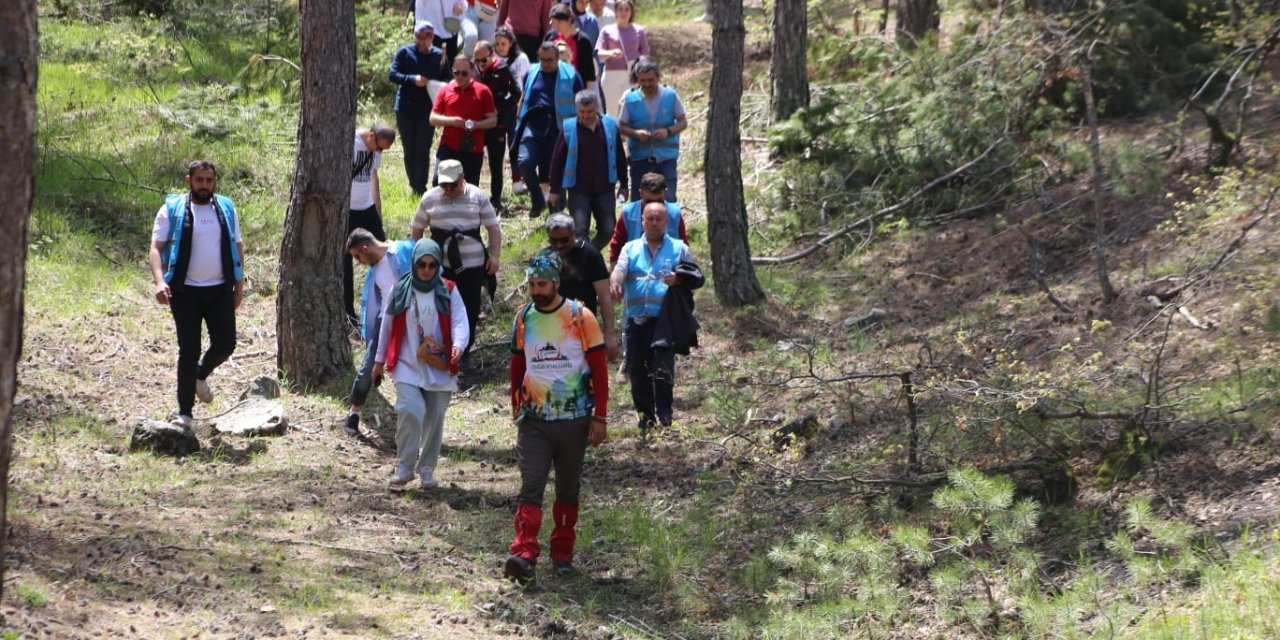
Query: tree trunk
(735,277)
(18,56)
(916,19)
(310,321)
(788,72)
(1109,294)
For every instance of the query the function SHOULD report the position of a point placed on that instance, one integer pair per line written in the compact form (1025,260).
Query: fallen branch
(831,237)
(132,185)
(1226,254)
(1037,272)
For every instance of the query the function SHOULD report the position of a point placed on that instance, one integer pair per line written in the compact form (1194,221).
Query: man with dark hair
(559,399)
(197,265)
(653,188)
(387,263)
(415,67)
(546,104)
(652,116)
(590,164)
(583,277)
(465,108)
(365,211)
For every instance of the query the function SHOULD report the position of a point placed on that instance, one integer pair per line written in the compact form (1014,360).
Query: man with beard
(559,399)
(197,264)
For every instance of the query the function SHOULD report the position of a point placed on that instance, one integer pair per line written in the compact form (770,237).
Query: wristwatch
(469,125)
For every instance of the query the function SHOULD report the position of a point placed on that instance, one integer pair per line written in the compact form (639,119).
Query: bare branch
(831,237)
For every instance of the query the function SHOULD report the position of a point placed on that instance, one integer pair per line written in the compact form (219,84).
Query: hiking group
(466,74)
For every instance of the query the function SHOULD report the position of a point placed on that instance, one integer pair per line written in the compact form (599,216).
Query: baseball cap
(450,171)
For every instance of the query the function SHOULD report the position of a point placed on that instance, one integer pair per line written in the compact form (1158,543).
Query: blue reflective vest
(565,76)
(638,118)
(176,206)
(571,143)
(401,256)
(644,288)
(633,212)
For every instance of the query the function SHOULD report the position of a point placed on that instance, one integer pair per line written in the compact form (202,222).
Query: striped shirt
(471,210)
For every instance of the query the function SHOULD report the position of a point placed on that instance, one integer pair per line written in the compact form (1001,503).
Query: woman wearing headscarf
(424,332)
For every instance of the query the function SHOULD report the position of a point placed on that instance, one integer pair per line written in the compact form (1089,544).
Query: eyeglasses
(558,241)
(463,73)
(546,60)
(426,264)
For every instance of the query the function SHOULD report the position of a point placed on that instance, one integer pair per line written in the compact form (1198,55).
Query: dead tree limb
(1037,272)
(831,237)
(1226,254)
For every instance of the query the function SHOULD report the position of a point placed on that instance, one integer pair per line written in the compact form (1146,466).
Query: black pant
(449,47)
(470,284)
(652,372)
(471,163)
(417,135)
(529,45)
(371,221)
(216,308)
(495,143)
(541,445)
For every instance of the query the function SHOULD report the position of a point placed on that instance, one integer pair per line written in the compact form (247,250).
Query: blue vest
(634,210)
(401,260)
(176,205)
(638,118)
(565,107)
(644,288)
(571,142)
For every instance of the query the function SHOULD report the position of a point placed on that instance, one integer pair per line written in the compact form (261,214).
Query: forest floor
(298,536)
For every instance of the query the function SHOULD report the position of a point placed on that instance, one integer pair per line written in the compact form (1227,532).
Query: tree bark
(916,19)
(19,52)
(311,327)
(735,277)
(1109,294)
(788,69)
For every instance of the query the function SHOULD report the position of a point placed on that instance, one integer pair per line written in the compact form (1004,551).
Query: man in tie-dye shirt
(559,398)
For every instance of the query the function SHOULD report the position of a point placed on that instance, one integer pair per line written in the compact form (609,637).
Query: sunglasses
(451,185)
(481,62)
(464,73)
(546,60)
(560,241)
(426,264)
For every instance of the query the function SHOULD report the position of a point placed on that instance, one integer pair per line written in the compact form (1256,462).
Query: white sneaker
(203,392)
(183,421)
(428,476)
(400,480)
(519,188)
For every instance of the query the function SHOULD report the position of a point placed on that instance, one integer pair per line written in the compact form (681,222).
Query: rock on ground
(163,438)
(254,417)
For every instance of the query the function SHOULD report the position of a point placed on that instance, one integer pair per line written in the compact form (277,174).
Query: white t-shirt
(205,267)
(434,11)
(362,184)
(384,277)
(409,370)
